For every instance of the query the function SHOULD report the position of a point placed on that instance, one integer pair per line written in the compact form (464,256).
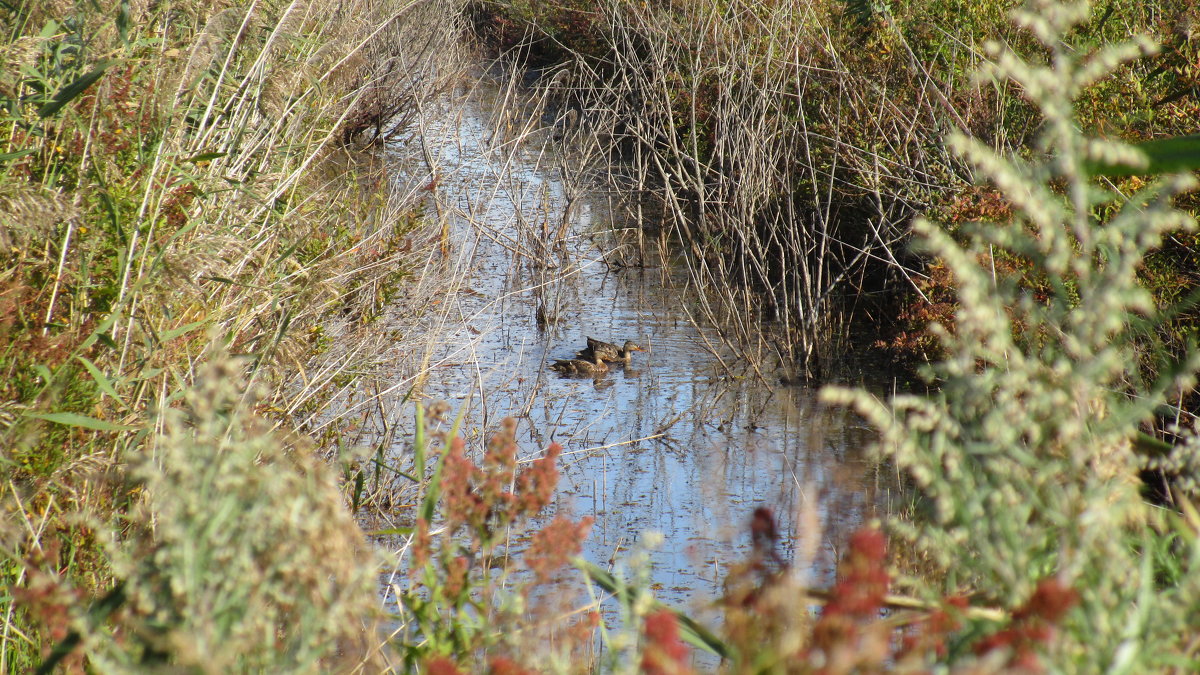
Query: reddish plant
(503,665)
(554,544)
(849,636)
(536,485)
(440,665)
(927,636)
(1033,625)
(455,572)
(664,653)
(422,547)
(478,496)
(463,504)
(863,581)
(51,601)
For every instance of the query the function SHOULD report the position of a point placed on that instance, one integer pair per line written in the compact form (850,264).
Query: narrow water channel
(686,441)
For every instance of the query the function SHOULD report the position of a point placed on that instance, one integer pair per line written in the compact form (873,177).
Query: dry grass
(205,194)
(786,171)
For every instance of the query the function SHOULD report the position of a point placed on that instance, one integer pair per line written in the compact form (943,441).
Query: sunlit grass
(178,182)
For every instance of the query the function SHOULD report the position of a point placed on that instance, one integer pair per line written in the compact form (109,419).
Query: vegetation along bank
(185,204)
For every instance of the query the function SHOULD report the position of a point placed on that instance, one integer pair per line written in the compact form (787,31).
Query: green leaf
(690,630)
(1149,446)
(419,443)
(123,21)
(386,467)
(186,328)
(76,420)
(101,381)
(1172,155)
(205,156)
(150,373)
(358,490)
(8,156)
(44,373)
(69,92)
(1165,155)
(401,531)
(101,332)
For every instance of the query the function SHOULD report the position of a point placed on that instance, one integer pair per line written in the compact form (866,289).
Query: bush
(1026,455)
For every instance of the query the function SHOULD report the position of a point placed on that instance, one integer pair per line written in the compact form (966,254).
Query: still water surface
(686,441)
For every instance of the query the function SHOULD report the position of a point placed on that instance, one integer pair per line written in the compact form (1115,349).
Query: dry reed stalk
(774,159)
(214,229)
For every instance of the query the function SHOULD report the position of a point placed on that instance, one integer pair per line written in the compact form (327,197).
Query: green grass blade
(384,466)
(71,91)
(205,157)
(100,333)
(1165,155)
(186,328)
(390,531)
(77,420)
(419,443)
(690,630)
(8,156)
(435,491)
(102,381)
(358,490)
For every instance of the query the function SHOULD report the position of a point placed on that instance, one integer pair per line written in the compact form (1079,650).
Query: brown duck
(607,351)
(593,365)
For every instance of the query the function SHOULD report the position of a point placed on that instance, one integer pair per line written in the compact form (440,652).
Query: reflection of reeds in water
(783,215)
(513,267)
(477,161)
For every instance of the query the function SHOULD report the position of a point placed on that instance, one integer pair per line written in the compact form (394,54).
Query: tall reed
(180,182)
(789,145)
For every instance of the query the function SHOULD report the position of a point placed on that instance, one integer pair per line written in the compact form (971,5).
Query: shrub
(1025,454)
(474,597)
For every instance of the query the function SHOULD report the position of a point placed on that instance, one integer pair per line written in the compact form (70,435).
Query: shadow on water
(686,441)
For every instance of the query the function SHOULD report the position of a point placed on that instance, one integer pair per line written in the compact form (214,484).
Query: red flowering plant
(773,624)
(468,584)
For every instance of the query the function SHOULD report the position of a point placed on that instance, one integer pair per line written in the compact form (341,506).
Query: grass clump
(179,180)
(239,555)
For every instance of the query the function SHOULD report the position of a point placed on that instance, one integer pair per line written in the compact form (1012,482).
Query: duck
(594,365)
(609,352)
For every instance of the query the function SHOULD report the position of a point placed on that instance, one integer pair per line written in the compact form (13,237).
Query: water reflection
(685,440)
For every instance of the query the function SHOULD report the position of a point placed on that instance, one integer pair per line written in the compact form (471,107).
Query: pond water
(687,441)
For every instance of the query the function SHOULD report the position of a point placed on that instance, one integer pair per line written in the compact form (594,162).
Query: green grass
(178,182)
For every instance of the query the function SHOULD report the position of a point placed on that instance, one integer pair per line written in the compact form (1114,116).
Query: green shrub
(241,555)
(1025,455)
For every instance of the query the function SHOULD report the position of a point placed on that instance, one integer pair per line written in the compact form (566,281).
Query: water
(687,441)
